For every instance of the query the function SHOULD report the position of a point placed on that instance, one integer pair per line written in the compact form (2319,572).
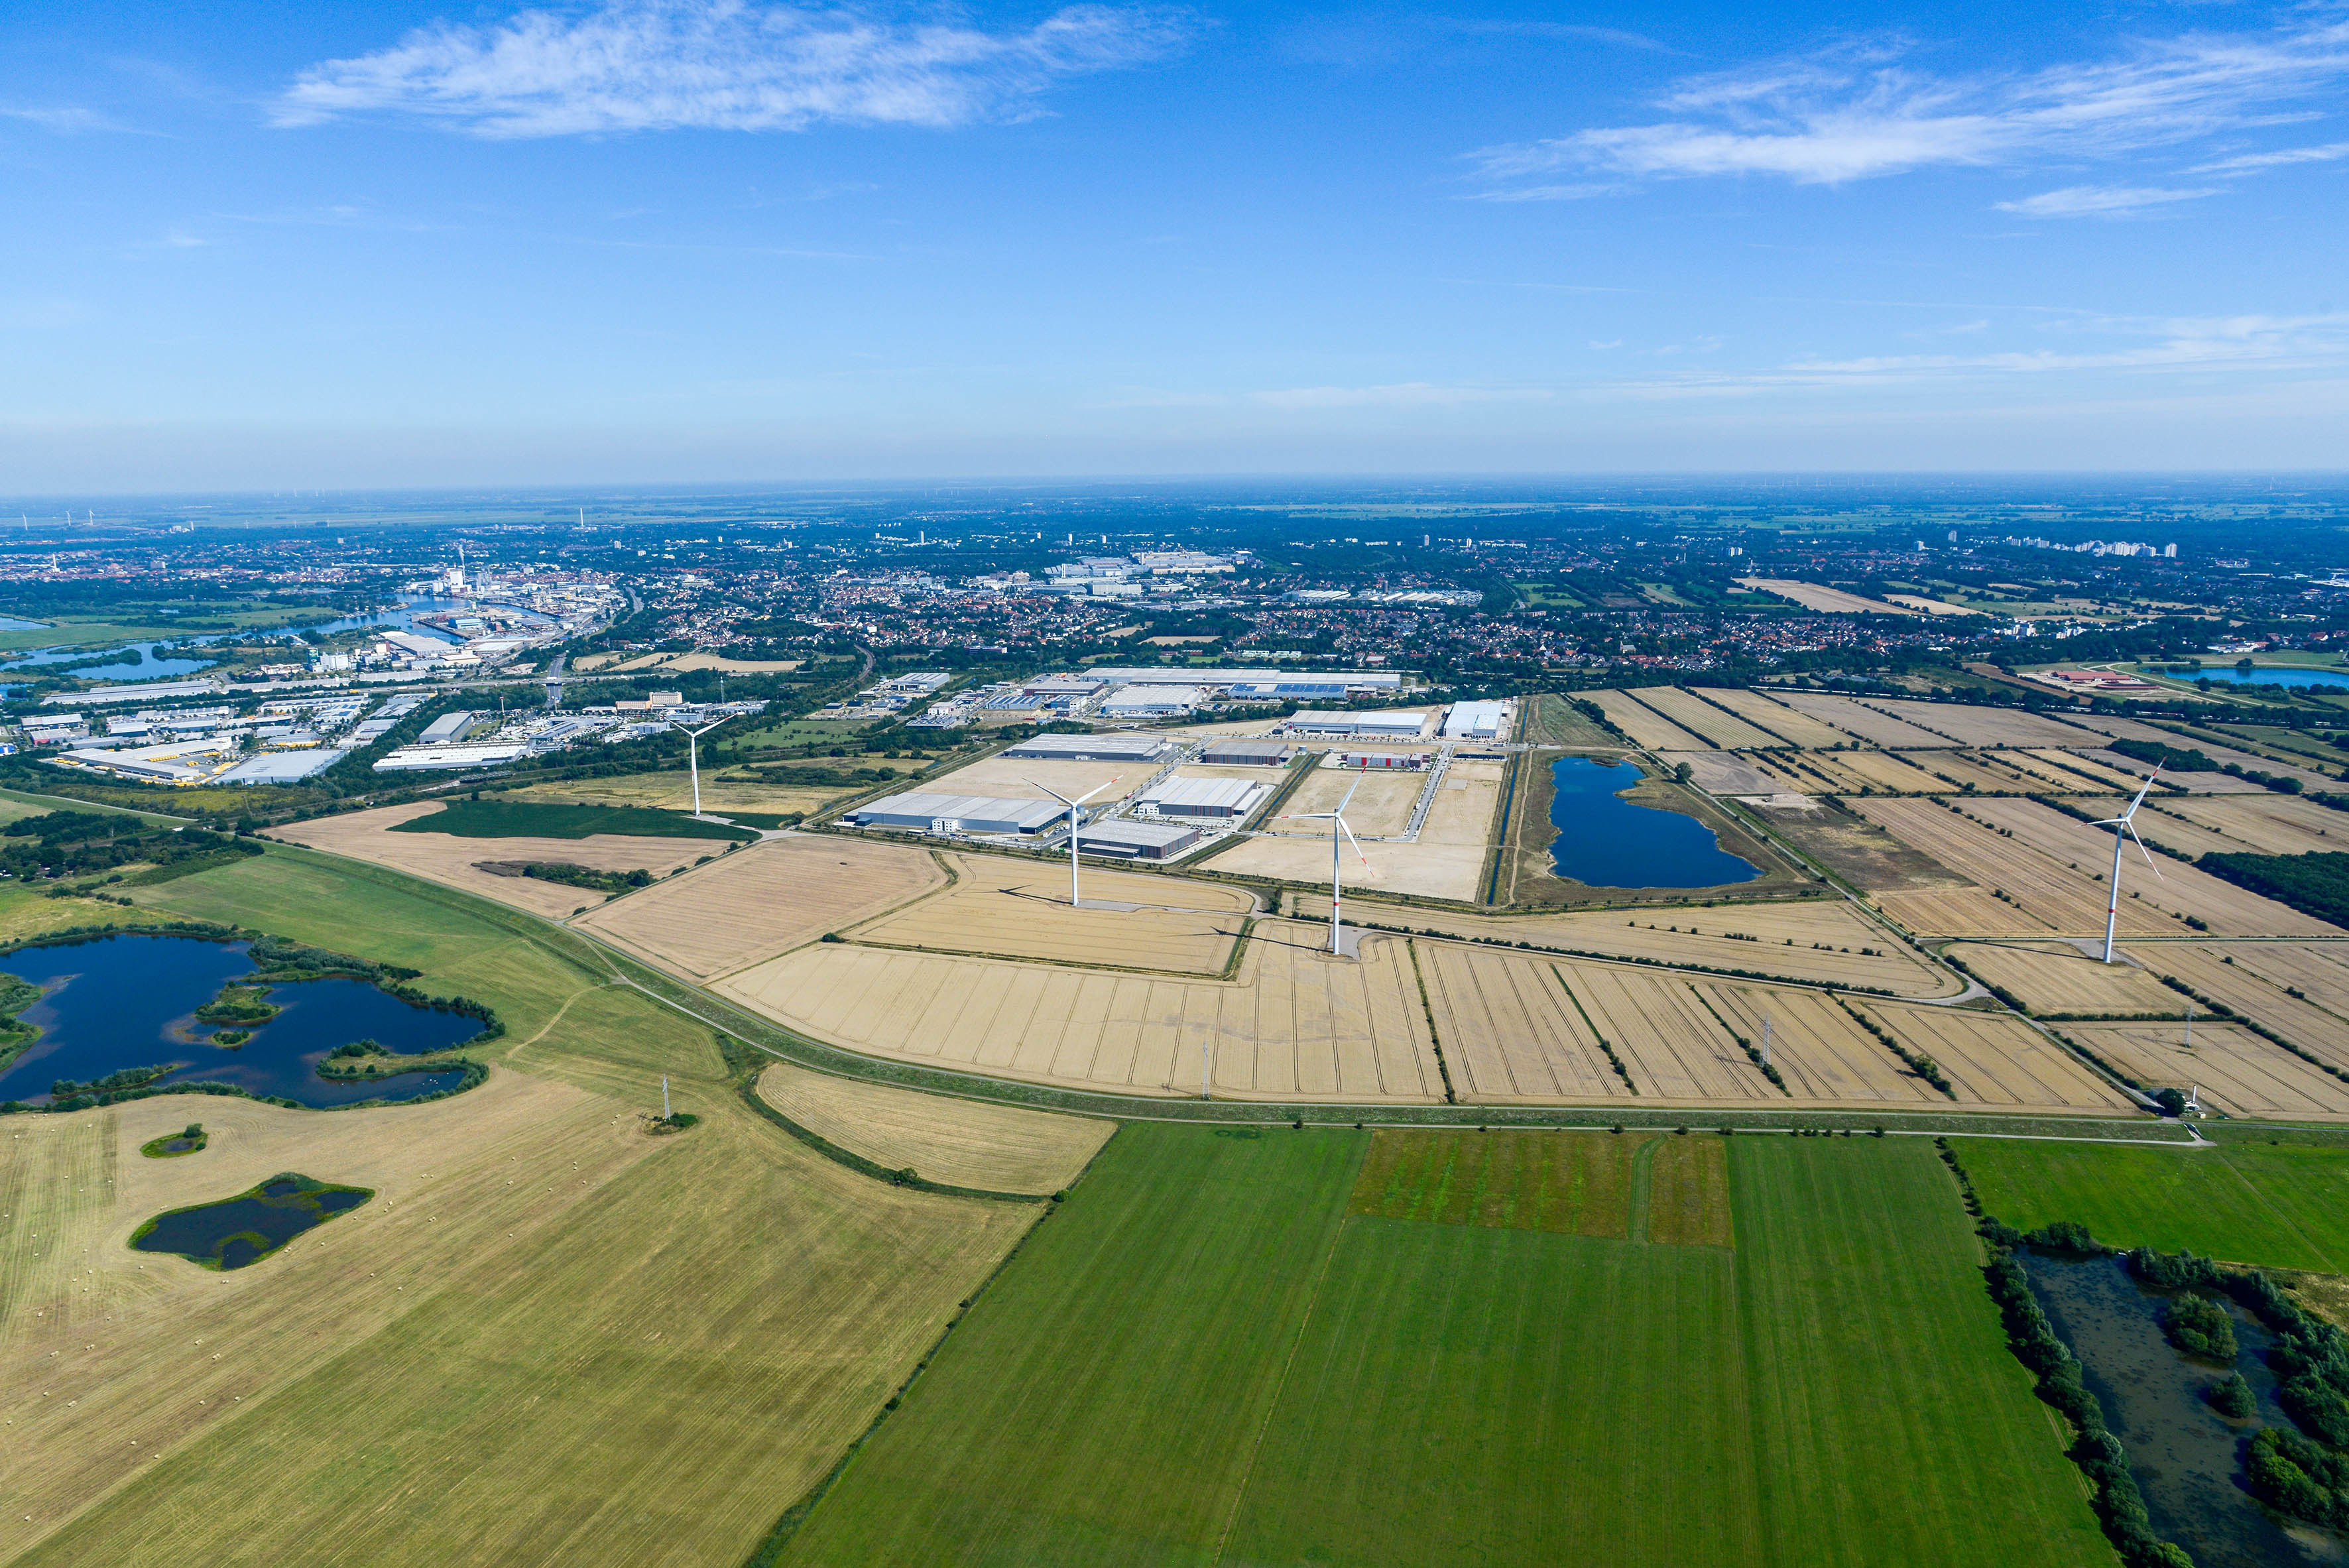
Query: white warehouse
(1357,725)
(929,813)
(1227,800)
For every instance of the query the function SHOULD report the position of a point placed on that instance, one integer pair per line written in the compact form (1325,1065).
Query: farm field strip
(1020,910)
(1986,771)
(2229,1068)
(1968,724)
(2319,968)
(2057,977)
(1518,1179)
(1509,1030)
(2178,889)
(1960,912)
(1692,712)
(763,901)
(2243,1201)
(1893,771)
(1296,1024)
(1997,1059)
(2072,767)
(1645,726)
(2158,824)
(1791,726)
(1804,940)
(1674,1047)
(2239,987)
(2270,824)
(1823,1055)
(1859,719)
(1721,772)
(960,1142)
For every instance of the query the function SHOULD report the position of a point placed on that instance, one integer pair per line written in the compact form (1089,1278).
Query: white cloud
(2253,162)
(726,65)
(2099,201)
(1402,395)
(1859,113)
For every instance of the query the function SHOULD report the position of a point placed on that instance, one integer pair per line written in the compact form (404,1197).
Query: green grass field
(2280,1203)
(551,819)
(1205,1359)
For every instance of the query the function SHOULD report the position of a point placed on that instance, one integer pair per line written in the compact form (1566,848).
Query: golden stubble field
(1019,909)
(1790,724)
(960,1142)
(1858,720)
(1697,715)
(1643,723)
(2057,977)
(530,1256)
(1817,940)
(2257,979)
(764,900)
(2232,1068)
(449,860)
(1296,1023)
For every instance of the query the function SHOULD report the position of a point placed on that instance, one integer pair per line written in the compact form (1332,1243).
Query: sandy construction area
(446,858)
(1296,1024)
(1382,805)
(959,1142)
(762,900)
(1820,940)
(2229,1066)
(1859,719)
(1016,778)
(1997,1060)
(1644,724)
(1789,724)
(1423,870)
(1694,713)
(1019,909)
(2058,978)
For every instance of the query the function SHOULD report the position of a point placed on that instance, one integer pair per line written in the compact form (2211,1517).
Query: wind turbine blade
(2141,793)
(1350,797)
(1056,795)
(2109,822)
(2146,853)
(1352,839)
(1092,792)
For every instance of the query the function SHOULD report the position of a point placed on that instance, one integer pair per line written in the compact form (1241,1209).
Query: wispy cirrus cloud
(1861,112)
(2101,200)
(2251,163)
(724,65)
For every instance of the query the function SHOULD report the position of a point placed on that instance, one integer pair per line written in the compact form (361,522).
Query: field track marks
(1643,1176)
(2331,1263)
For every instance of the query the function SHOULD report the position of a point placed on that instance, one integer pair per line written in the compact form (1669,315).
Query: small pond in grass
(120,1002)
(1605,841)
(2187,1459)
(247,1228)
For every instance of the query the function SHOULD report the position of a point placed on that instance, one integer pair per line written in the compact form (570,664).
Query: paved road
(554,682)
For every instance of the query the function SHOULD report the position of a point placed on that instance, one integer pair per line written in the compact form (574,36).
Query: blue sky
(359,244)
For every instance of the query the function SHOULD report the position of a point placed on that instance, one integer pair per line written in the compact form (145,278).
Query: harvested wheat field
(1019,909)
(2320,969)
(1670,1042)
(1888,772)
(958,1142)
(2077,766)
(1823,1055)
(451,860)
(1819,940)
(1692,712)
(2229,1066)
(764,900)
(1509,1029)
(1790,724)
(1951,771)
(1296,1024)
(1643,723)
(1721,772)
(1859,719)
(2269,824)
(1959,912)
(1969,725)
(2159,826)
(2058,978)
(2205,967)
(1997,1060)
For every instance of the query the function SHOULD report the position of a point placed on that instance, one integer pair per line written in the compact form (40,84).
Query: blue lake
(1605,841)
(2263,675)
(120,1002)
(147,667)
(11,623)
(402,619)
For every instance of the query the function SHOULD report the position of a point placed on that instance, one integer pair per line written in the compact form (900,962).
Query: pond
(13,623)
(1605,841)
(2187,1459)
(243,1230)
(147,666)
(121,1002)
(2259,676)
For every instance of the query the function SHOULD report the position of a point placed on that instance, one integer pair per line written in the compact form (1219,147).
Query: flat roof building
(1222,799)
(1475,720)
(931,813)
(283,767)
(1091,747)
(445,729)
(1247,754)
(1373,761)
(411,758)
(1151,701)
(1367,725)
(1123,838)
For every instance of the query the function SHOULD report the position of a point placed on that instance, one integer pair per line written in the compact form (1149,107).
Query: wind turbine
(1337,820)
(2123,828)
(1075,819)
(693,757)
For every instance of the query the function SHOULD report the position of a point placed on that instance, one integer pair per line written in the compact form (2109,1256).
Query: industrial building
(420,757)
(1125,839)
(1151,701)
(1374,760)
(1362,726)
(931,813)
(1091,747)
(1247,754)
(1289,691)
(1221,798)
(447,730)
(283,767)
(1475,721)
(180,762)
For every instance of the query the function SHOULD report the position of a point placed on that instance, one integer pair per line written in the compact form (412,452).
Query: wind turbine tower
(1337,820)
(1076,819)
(693,758)
(2123,828)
